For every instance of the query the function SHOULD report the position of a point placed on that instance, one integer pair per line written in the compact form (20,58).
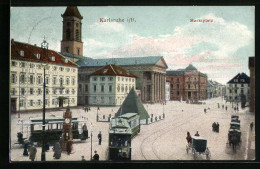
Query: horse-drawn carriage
(234,133)
(198,147)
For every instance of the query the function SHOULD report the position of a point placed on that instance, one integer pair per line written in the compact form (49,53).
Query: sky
(219,48)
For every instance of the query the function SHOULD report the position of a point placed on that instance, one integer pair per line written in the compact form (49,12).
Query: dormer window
(66,61)
(105,71)
(38,56)
(236,80)
(119,71)
(52,58)
(21,53)
(242,80)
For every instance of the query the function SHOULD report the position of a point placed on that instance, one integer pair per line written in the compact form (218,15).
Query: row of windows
(102,88)
(68,33)
(236,91)
(39,66)
(124,88)
(39,79)
(236,85)
(39,91)
(39,102)
(102,78)
(189,86)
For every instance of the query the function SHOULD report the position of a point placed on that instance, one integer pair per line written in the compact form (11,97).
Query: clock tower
(66,131)
(72,31)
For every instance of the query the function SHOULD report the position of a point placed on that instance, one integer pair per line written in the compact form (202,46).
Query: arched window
(68,34)
(77,34)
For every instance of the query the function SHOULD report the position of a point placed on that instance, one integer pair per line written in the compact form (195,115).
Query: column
(152,86)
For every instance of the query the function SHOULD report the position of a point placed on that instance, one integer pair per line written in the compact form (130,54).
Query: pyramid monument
(132,104)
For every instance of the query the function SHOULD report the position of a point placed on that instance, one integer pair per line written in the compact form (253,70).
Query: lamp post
(43,119)
(91,141)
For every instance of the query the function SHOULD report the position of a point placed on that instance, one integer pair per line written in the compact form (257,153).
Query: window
(122,88)
(171,86)
(31,102)
(79,87)
(67,69)
(110,78)
(102,88)
(21,102)
(13,63)
(67,81)
(133,80)
(47,80)
(77,24)
(230,91)
(110,88)
(61,68)
(22,64)
(86,88)
(47,91)
(73,81)
(53,101)
(54,68)
(242,85)
(102,78)
(68,33)
(126,89)
(61,91)
(178,93)
(236,80)
(73,91)
(105,71)
(32,65)
(78,51)
(22,91)
(13,91)
(39,102)
(13,78)
(242,80)
(235,91)
(118,88)
(54,80)
(21,53)
(52,58)
(77,34)
(95,88)
(22,80)
(94,78)
(61,81)
(31,91)
(178,86)
(178,80)
(54,91)
(39,91)
(189,86)
(39,66)
(66,60)
(39,79)
(123,79)
(38,55)
(242,91)
(67,91)
(126,79)
(118,78)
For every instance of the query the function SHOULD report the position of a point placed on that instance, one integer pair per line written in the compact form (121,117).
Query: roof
(239,77)
(112,70)
(119,126)
(133,104)
(72,11)
(149,60)
(190,67)
(30,52)
(129,115)
(198,138)
(174,73)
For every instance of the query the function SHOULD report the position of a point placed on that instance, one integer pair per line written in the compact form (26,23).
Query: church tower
(72,31)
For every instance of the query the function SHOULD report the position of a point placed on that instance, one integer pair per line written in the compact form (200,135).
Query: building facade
(27,73)
(187,84)
(251,66)
(237,86)
(110,85)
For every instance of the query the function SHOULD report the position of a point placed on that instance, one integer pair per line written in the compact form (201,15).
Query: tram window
(57,126)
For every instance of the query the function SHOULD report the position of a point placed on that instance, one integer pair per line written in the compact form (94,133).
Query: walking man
(251,126)
(96,156)
(226,108)
(25,151)
(99,138)
(33,152)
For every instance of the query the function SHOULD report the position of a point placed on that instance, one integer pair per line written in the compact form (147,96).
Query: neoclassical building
(187,84)
(151,71)
(27,73)
(110,85)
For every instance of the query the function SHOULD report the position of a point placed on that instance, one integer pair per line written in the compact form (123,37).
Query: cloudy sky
(219,48)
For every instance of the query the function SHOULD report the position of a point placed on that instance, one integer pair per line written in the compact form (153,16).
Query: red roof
(113,70)
(30,52)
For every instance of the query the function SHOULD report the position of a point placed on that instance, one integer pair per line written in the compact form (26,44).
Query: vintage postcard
(131,83)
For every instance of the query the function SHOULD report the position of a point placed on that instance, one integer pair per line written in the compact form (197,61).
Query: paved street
(162,140)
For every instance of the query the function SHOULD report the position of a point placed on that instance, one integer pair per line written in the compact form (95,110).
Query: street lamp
(91,129)
(43,119)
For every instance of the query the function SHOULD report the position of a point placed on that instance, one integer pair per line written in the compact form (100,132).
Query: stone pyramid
(132,104)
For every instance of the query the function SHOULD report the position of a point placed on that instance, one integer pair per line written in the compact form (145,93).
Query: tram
(121,131)
(53,129)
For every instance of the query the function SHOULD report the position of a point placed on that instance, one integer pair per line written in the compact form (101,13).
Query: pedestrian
(47,147)
(69,147)
(188,138)
(226,108)
(218,105)
(222,106)
(251,126)
(85,109)
(83,159)
(98,107)
(85,131)
(217,127)
(99,138)
(214,126)
(33,152)
(25,150)
(57,150)
(197,134)
(237,109)
(205,110)
(96,156)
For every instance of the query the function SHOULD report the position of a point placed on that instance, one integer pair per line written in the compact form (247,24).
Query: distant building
(167,91)
(237,86)
(187,84)
(251,66)
(110,85)
(26,77)
(210,89)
